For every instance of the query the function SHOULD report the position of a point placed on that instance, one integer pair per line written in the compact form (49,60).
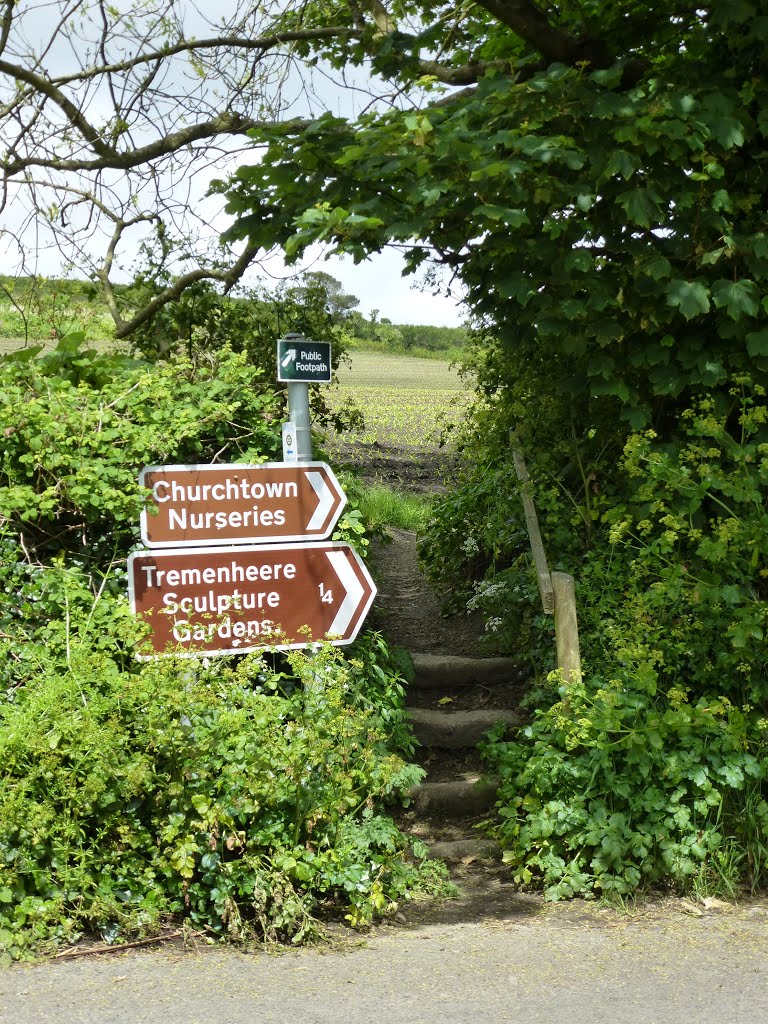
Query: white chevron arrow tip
(325,501)
(353,593)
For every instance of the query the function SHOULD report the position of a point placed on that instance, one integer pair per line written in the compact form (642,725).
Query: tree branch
(5,24)
(228,123)
(228,277)
(528,21)
(73,113)
(466,74)
(262,43)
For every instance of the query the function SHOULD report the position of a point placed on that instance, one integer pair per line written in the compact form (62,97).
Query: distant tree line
(382,333)
(315,303)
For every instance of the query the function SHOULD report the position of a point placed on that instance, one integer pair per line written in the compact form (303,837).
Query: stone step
(444,671)
(460,798)
(454,730)
(453,851)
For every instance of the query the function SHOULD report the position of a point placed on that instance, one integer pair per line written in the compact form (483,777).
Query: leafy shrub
(78,425)
(248,795)
(131,792)
(615,787)
(654,767)
(38,308)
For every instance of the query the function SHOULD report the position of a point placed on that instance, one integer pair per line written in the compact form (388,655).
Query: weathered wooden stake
(534,534)
(557,590)
(566,627)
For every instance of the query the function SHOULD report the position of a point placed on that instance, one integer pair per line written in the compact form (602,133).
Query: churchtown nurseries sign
(194,506)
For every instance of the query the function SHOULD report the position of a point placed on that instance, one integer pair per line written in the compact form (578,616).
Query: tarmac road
(515,961)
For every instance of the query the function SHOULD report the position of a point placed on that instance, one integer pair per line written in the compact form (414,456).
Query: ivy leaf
(690,297)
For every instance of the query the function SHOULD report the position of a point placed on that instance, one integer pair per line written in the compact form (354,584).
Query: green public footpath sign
(299,359)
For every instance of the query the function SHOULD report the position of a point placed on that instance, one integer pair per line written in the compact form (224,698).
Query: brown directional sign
(273,502)
(233,600)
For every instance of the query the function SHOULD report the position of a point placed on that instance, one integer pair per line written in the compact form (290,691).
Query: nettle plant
(654,768)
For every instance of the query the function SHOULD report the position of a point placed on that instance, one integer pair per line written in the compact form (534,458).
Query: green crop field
(405,401)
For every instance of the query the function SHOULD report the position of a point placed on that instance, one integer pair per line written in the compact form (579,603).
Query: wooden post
(534,535)
(566,627)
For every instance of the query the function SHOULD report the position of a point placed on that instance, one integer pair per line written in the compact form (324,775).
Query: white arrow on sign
(290,357)
(326,501)
(353,592)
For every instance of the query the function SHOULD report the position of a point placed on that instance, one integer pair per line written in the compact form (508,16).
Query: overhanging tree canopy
(598,183)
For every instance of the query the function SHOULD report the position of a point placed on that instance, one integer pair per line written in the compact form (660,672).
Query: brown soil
(407,609)
(406,467)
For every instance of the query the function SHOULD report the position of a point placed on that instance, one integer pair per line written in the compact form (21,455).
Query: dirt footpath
(529,964)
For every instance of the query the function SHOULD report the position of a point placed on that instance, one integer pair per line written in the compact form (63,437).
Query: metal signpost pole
(298,410)
(298,413)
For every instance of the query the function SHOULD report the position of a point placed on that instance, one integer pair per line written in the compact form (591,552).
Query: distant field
(405,400)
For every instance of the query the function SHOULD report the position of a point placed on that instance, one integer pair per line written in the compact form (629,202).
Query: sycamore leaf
(757,343)
(738,297)
(690,297)
(721,200)
(656,267)
(711,257)
(621,163)
(514,218)
(728,131)
(640,207)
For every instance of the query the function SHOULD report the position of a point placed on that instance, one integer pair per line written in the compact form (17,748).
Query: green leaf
(622,163)
(727,131)
(656,267)
(640,207)
(740,298)
(690,297)
(514,218)
(710,258)
(721,200)
(757,343)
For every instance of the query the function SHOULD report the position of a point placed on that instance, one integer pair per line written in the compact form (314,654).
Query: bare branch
(46,88)
(228,277)
(233,43)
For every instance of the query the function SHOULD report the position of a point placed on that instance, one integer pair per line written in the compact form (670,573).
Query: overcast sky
(379,285)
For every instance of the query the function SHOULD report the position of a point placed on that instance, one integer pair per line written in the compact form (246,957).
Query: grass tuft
(382,507)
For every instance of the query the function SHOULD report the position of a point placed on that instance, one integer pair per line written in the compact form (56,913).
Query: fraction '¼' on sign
(233,600)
